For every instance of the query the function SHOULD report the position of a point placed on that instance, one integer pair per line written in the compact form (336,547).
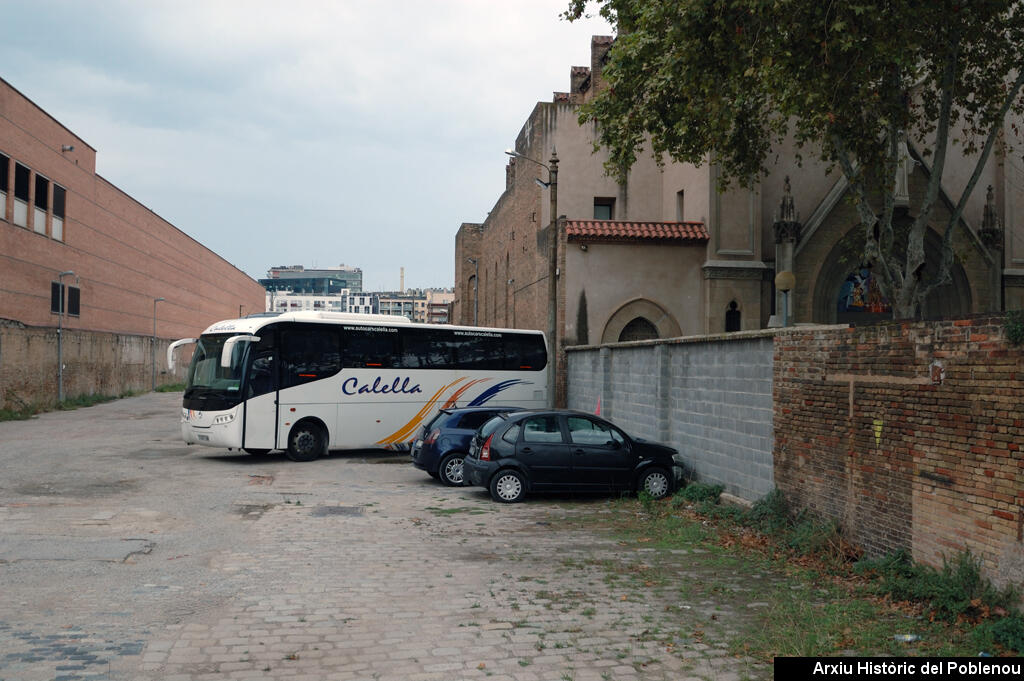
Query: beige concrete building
(666,254)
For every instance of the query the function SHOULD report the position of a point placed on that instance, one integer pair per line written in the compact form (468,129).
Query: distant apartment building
(399,305)
(439,305)
(362,303)
(285,301)
(326,281)
(426,306)
(293,288)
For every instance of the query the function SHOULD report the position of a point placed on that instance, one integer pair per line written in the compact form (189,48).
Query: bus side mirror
(229,347)
(172,346)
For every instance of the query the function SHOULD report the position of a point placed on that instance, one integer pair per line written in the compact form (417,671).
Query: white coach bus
(306,382)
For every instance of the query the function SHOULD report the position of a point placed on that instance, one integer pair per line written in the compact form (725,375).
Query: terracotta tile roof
(620,231)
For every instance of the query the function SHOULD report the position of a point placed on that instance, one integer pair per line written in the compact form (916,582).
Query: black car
(532,451)
(444,441)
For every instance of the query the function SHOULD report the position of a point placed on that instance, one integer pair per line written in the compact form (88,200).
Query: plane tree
(850,82)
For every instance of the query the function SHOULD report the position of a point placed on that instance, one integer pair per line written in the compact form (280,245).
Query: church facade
(666,254)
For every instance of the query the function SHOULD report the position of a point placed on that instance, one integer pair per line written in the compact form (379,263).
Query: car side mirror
(614,444)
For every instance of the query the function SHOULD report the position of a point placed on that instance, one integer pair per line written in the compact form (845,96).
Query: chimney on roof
(579,83)
(599,47)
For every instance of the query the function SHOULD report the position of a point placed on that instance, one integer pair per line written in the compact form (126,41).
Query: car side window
(542,429)
(583,431)
(512,434)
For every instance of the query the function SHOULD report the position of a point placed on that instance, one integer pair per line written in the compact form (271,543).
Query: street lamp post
(60,336)
(552,186)
(476,287)
(153,343)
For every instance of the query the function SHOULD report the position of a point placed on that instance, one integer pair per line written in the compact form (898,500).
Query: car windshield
(491,425)
(439,417)
(205,372)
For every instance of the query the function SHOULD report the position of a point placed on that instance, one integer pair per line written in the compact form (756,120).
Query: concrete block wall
(710,397)
(94,364)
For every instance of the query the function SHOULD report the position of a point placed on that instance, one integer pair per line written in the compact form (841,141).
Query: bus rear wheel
(306,442)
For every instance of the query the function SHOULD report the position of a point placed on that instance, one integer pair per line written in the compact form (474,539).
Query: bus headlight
(223,418)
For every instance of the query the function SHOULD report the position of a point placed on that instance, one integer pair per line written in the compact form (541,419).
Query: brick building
(57,215)
(667,254)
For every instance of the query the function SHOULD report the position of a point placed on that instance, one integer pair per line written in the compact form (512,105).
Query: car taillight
(485,451)
(432,438)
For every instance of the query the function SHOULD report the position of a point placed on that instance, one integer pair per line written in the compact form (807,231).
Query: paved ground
(126,555)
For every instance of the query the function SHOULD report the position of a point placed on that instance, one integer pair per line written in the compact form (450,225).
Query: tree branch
(868,218)
(946,263)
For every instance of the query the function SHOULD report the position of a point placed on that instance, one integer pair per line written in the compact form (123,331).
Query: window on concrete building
(74,301)
(637,330)
(604,208)
(59,194)
(56,296)
(732,317)
(4,187)
(22,175)
(42,203)
(70,296)
(680,195)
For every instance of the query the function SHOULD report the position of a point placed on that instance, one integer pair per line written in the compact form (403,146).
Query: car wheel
(306,442)
(655,482)
(508,486)
(450,470)
(256,452)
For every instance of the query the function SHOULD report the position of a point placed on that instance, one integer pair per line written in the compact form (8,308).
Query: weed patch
(821,598)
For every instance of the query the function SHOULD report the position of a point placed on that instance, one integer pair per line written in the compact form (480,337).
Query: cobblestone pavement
(351,567)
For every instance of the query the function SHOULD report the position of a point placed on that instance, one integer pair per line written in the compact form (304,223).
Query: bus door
(309,354)
(261,384)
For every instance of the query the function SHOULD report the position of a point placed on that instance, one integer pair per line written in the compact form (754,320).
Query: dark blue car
(444,441)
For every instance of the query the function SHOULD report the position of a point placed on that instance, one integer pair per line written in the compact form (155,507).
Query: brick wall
(908,434)
(710,397)
(123,255)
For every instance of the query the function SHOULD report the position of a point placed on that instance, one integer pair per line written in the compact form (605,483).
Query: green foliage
(80,401)
(957,590)
(770,514)
(171,388)
(20,414)
(700,492)
(1013,325)
(809,536)
(1005,631)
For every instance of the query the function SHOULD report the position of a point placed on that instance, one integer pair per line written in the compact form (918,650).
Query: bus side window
(479,353)
(370,350)
(524,353)
(308,353)
(425,349)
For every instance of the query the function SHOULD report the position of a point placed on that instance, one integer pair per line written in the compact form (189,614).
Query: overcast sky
(302,132)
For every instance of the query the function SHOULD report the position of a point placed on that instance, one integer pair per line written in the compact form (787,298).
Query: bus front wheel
(306,442)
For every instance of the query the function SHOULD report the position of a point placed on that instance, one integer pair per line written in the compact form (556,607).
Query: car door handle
(578,452)
(526,450)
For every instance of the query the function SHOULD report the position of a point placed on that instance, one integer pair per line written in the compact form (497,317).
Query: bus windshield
(206,374)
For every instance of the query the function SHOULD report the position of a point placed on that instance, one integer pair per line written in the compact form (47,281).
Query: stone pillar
(991,234)
(787,233)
